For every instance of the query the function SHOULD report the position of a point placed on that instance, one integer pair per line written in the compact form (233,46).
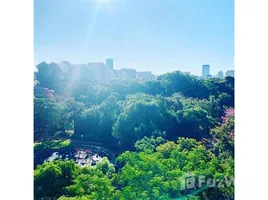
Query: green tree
(95,123)
(186,84)
(47,118)
(160,174)
(49,75)
(142,115)
(96,186)
(194,123)
(51,178)
(148,144)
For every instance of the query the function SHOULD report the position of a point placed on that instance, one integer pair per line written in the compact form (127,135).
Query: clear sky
(156,35)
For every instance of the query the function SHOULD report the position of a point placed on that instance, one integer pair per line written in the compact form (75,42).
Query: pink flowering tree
(49,93)
(44,92)
(223,135)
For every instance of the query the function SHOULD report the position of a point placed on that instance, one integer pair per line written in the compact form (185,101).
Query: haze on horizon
(153,35)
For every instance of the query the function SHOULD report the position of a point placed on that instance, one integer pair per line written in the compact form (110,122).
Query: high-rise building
(144,76)
(220,75)
(127,73)
(110,63)
(205,70)
(229,73)
(98,70)
(111,73)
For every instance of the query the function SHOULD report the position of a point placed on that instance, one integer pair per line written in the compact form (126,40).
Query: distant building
(98,70)
(220,75)
(127,73)
(144,76)
(111,73)
(229,73)
(154,77)
(110,63)
(86,73)
(64,66)
(75,72)
(209,76)
(205,70)
(95,71)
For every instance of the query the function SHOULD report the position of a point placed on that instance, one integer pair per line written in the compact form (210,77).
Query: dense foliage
(142,121)
(158,174)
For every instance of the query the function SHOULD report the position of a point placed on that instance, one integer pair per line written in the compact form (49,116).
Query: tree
(105,167)
(193,122)
(226,100)
(155,87)
(223,136)
(49,75)
(95,123)
(95,186)
(84,93)
(93,183)
(148,144)
(145,118)
(186,84)
(142,115)
(161,174)
(217,86)
(47,118)
(51,178)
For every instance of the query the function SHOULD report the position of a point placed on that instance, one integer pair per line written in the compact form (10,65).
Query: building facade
(110,63)
(205,71)
(220,75)
(127,73)
(98,70)
(144,76)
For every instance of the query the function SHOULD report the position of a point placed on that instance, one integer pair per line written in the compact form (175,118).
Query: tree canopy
(160,131)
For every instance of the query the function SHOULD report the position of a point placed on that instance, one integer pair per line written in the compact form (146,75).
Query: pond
(87,156)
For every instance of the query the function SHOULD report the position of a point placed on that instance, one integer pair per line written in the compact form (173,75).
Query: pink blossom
(229,112)
(231,135)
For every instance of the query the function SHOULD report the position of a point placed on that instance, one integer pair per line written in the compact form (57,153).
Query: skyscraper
(110,63)
(205,70)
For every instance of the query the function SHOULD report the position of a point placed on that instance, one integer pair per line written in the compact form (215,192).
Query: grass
(54,144)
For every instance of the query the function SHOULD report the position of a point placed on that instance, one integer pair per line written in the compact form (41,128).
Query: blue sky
(156,35)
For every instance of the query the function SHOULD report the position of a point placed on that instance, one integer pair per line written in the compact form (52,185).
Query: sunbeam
(91,24)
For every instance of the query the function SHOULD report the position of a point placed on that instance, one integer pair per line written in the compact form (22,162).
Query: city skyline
(109,64)
(184,36)
(119,68)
